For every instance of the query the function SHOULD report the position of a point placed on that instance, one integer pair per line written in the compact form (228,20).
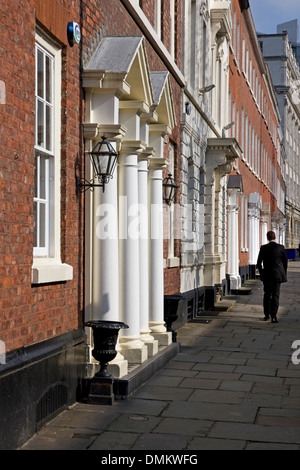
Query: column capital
(151,117)
(132,146)
(105,81)
(147,154)
(162,129)
(136,106)
(158,163)
(111,131)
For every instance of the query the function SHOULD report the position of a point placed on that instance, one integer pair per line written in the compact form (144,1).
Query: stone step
(224,305)
(242,291)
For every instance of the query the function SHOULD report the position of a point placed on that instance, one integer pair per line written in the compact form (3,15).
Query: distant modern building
(279,55)
(292,28)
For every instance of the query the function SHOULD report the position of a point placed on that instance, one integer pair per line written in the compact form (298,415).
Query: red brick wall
(29,313)
(242,95)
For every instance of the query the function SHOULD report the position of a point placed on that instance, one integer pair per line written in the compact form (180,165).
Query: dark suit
(272,266)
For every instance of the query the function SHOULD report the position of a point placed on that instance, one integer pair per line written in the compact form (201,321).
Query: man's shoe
(265,318)
(274,320)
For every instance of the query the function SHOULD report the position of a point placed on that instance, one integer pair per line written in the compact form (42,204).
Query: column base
(163,339)
(160,333)
(235,281)
(134,351)
(151,343)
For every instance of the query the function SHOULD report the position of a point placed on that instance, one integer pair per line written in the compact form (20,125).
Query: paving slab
(207,443)
(256,432)
(185,427)
(205,384)
(270,446)
(217,396)
(134,423)
(237,386)
(214,412)
(114,441)
(163,393)
(163,442)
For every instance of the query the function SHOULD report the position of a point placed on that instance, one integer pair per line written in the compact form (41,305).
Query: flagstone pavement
(234,385)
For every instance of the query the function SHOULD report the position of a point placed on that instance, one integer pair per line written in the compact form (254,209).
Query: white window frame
(237,55)
(246,223)
(157,17)
(243,55)
(172,28)
(43,201)
(47,265)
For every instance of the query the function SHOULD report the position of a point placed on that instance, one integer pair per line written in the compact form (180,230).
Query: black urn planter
(172,309)
(105,335)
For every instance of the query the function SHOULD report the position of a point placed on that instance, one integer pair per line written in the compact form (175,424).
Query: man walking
(272,266)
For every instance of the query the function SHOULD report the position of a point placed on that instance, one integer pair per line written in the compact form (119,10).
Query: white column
(132,347)
(256,244)
(264,228)
(146,336)
(106,265)
(105,289)
(233,243)
(105,257)
(102,246)
(252,259)
(157,323)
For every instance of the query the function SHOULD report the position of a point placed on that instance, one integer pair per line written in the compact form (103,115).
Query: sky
(267,14)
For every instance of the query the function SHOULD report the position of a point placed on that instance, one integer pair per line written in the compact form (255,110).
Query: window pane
(40,120)
(42,194)
(35,225)
(40,74)
(48,128)
(48,80)
(42,227)
(35,178)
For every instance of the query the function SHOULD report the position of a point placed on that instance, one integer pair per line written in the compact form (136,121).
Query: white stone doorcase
(254,211)
(220,155)
(124,224)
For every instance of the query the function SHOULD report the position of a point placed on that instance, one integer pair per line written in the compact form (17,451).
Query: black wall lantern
(104,159)
(169,189)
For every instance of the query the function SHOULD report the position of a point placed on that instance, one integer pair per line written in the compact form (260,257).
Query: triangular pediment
(163,98)
(122,59)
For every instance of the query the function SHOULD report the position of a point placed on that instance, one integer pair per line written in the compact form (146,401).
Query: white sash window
(47,265)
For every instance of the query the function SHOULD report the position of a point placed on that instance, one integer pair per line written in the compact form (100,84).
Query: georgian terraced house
(256,193)
(159,80)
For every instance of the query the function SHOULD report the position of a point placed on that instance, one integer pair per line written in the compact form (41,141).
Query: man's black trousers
(271,298)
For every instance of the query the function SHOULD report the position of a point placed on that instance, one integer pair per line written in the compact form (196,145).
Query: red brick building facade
(42,274)
(254,111)
(33,313)
(55,102)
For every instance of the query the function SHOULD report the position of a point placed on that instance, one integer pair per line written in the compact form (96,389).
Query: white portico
(124,236)
(220,156)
